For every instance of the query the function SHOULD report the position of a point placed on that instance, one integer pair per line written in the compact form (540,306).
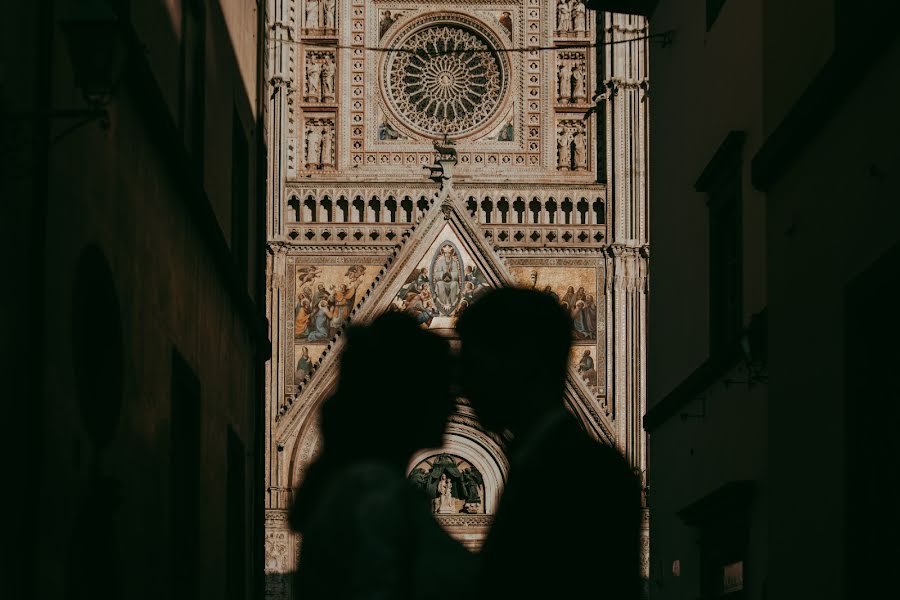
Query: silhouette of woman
(367,532)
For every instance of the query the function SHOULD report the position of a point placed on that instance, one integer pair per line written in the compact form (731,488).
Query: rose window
(445,79)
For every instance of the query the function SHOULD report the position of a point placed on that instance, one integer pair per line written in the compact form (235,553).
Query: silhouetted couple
(568,521)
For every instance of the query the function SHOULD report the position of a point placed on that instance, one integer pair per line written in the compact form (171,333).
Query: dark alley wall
(143,457)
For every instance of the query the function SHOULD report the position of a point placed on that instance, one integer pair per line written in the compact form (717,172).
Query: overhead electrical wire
(665,39)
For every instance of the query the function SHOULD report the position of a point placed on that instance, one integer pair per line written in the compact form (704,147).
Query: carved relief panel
(319,142)
(402,74)
(320,77)
(319,17)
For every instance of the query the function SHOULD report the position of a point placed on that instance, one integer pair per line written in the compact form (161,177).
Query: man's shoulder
(564,450)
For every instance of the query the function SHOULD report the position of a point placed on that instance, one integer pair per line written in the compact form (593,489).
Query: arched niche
(481,452)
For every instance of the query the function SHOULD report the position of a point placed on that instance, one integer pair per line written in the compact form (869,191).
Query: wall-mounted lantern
(96,48)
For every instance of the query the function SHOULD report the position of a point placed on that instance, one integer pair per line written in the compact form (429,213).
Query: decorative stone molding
(367,201)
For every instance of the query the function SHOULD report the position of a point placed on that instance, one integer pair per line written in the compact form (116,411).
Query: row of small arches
(567,211)
(358,210)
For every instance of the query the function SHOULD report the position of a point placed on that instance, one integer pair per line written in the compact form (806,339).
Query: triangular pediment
(442,266)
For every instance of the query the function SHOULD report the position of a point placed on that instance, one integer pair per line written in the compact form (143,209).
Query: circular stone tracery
(448,79)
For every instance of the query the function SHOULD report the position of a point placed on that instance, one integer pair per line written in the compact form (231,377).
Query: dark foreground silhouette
(366,532)
(568,523)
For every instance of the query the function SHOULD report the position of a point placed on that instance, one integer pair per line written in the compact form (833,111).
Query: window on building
(871,329)
(186,459)
(713,8)
(721,181)
(235,526)
(192,97)
(239,195)
(722,522)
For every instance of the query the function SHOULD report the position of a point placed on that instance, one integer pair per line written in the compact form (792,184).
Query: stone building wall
(134,340)
(509,150)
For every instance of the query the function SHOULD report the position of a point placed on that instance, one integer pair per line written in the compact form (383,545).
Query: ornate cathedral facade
(421,153)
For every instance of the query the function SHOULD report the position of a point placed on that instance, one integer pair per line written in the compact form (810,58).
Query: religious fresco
(576,290)
(452,484)
(325,295)
(445,281)
(386,18)
(584,361)
(305,356)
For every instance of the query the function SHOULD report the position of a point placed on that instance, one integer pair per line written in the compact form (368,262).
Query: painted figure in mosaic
(506,21)
(321,323)
(304,365)
(591,311)
(445,276)
(581,321)
(386,21)
(386,131)
(568,298)
(587,369)
(414,282)
(417,305)
(474,276)
(302,312)
(312,14)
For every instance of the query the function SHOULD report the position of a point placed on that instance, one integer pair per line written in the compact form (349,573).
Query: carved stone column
(627,107)
(626,115)
(281,140)
(280,542)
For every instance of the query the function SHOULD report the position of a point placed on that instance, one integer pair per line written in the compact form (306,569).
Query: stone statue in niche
(565,80)
(563,16)
(452,484)
(572,78)
(312,14)
(564,147)
(328,72)
(329,9)
(327,145)
(580,148)
(313,79)
(445,496)
(578,87)
(578,16)
(313,145)
(320,77)
(474,483)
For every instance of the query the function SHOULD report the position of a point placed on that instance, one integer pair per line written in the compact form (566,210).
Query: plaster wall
(812,259)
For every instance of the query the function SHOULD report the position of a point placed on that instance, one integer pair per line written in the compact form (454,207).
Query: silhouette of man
(568,523)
